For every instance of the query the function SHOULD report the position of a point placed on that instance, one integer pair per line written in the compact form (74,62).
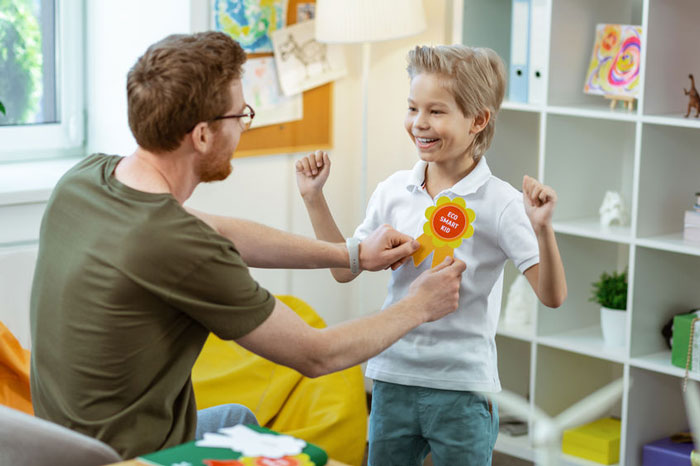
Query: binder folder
(539,22)
(519,51)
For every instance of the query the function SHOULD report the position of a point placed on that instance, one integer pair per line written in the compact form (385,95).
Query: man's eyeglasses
(245,118)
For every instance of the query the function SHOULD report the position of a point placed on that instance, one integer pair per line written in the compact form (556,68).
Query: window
(41,78)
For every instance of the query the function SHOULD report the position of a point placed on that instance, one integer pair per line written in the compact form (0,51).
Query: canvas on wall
(250,22)
(615,63)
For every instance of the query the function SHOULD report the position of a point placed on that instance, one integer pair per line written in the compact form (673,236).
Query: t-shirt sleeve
(516,236)
(221,294)
(373,216)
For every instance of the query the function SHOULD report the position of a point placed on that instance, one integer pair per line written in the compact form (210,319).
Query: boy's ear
(480,121)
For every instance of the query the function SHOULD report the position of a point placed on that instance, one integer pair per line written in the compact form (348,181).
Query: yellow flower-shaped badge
(448,223)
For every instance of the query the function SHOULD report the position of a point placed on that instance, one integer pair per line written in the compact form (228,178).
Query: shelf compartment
(661,362)
(600,110)
(584,260)
(656,397)
(519,446)
(665,284)
(671,152)
(572,37)
(524,332)
(673,242)
(591,228)
(517,332)
(581,168)
(672,42)
(672,120)
(576,377)
(587,341)
(514,365)
(515,149)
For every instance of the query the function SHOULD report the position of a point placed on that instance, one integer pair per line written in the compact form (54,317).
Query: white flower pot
(614,323)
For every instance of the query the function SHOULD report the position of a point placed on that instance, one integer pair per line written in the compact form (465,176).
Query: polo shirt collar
(467,185)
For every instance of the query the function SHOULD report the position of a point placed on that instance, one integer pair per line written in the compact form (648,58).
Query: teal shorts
(407,422)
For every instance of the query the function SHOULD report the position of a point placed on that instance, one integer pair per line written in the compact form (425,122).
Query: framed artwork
(284,127)
(615,62)
(250,22)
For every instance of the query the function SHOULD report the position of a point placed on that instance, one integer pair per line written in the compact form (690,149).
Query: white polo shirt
(457,352)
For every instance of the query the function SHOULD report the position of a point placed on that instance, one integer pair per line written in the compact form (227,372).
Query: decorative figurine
(613,210)
(693,98)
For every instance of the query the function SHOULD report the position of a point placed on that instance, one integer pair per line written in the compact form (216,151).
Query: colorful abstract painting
(614,68)
(250,22)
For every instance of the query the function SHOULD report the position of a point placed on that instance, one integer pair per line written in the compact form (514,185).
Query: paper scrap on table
(249,442)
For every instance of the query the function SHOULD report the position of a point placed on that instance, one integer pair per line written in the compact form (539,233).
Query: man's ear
(202,137)
(480,121)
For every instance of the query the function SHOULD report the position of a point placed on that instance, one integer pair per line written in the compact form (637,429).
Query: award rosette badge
(449,222)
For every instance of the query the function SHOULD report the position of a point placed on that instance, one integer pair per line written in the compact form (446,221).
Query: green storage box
(681,338)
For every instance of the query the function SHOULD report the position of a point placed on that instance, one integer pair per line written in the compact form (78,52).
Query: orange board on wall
(313,131)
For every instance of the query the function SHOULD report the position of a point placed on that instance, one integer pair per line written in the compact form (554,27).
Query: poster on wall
(302,62)
(615,62)
(250,22)
(262,91)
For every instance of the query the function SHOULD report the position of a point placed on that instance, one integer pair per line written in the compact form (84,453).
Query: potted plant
(610,291)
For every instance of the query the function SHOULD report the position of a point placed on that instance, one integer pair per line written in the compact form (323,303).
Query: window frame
(67,136)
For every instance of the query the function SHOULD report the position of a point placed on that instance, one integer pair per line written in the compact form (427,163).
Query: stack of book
(691,225)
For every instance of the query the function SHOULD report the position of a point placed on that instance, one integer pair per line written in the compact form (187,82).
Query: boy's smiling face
(435,123)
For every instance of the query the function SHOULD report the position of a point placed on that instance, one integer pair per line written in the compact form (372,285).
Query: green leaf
(2,108)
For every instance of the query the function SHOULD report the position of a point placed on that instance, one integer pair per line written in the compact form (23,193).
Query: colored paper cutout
(448,223)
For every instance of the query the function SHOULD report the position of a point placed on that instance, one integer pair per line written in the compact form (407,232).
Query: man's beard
(215,167)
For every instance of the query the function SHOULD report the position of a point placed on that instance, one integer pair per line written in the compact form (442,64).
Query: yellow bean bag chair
(329,411)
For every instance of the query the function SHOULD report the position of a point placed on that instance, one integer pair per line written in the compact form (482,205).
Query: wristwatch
(353,245)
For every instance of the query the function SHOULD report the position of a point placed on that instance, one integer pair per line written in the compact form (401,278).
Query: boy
(425,395)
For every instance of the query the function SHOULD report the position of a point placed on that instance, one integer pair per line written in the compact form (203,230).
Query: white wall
(260,188)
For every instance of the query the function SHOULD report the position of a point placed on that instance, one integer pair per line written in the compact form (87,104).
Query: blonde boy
(427,391)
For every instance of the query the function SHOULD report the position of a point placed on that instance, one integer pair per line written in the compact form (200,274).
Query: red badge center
(448,222)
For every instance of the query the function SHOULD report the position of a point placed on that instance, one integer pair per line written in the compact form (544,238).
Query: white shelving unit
(576,144)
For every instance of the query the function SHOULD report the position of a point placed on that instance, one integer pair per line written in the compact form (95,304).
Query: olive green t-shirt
(127,287)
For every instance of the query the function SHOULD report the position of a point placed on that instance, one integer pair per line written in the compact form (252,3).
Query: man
(129,283)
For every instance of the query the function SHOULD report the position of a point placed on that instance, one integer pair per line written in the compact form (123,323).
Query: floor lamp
(365,21)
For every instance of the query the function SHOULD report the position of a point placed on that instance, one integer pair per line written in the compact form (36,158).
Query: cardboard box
(681,338)
(597,441)
(663,452)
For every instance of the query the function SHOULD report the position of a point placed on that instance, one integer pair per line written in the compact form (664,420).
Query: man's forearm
(266,247)
(351,343)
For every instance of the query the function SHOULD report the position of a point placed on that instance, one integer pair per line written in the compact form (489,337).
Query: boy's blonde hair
(474,76)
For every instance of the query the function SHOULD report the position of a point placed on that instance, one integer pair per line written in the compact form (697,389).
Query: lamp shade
(349,21)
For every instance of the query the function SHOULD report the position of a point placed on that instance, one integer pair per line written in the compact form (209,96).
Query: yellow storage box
(597,441)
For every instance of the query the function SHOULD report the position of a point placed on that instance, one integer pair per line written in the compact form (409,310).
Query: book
(519,51)
(194,455)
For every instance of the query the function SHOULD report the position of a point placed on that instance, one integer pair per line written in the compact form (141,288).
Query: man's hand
(539,201)
(385,248)
(437,289)
(312,173)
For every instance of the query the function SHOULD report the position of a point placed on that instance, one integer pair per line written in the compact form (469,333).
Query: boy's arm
(312,172)
(547,278)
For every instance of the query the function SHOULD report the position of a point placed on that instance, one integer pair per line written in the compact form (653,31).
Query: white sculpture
(521,304)
(613,210)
